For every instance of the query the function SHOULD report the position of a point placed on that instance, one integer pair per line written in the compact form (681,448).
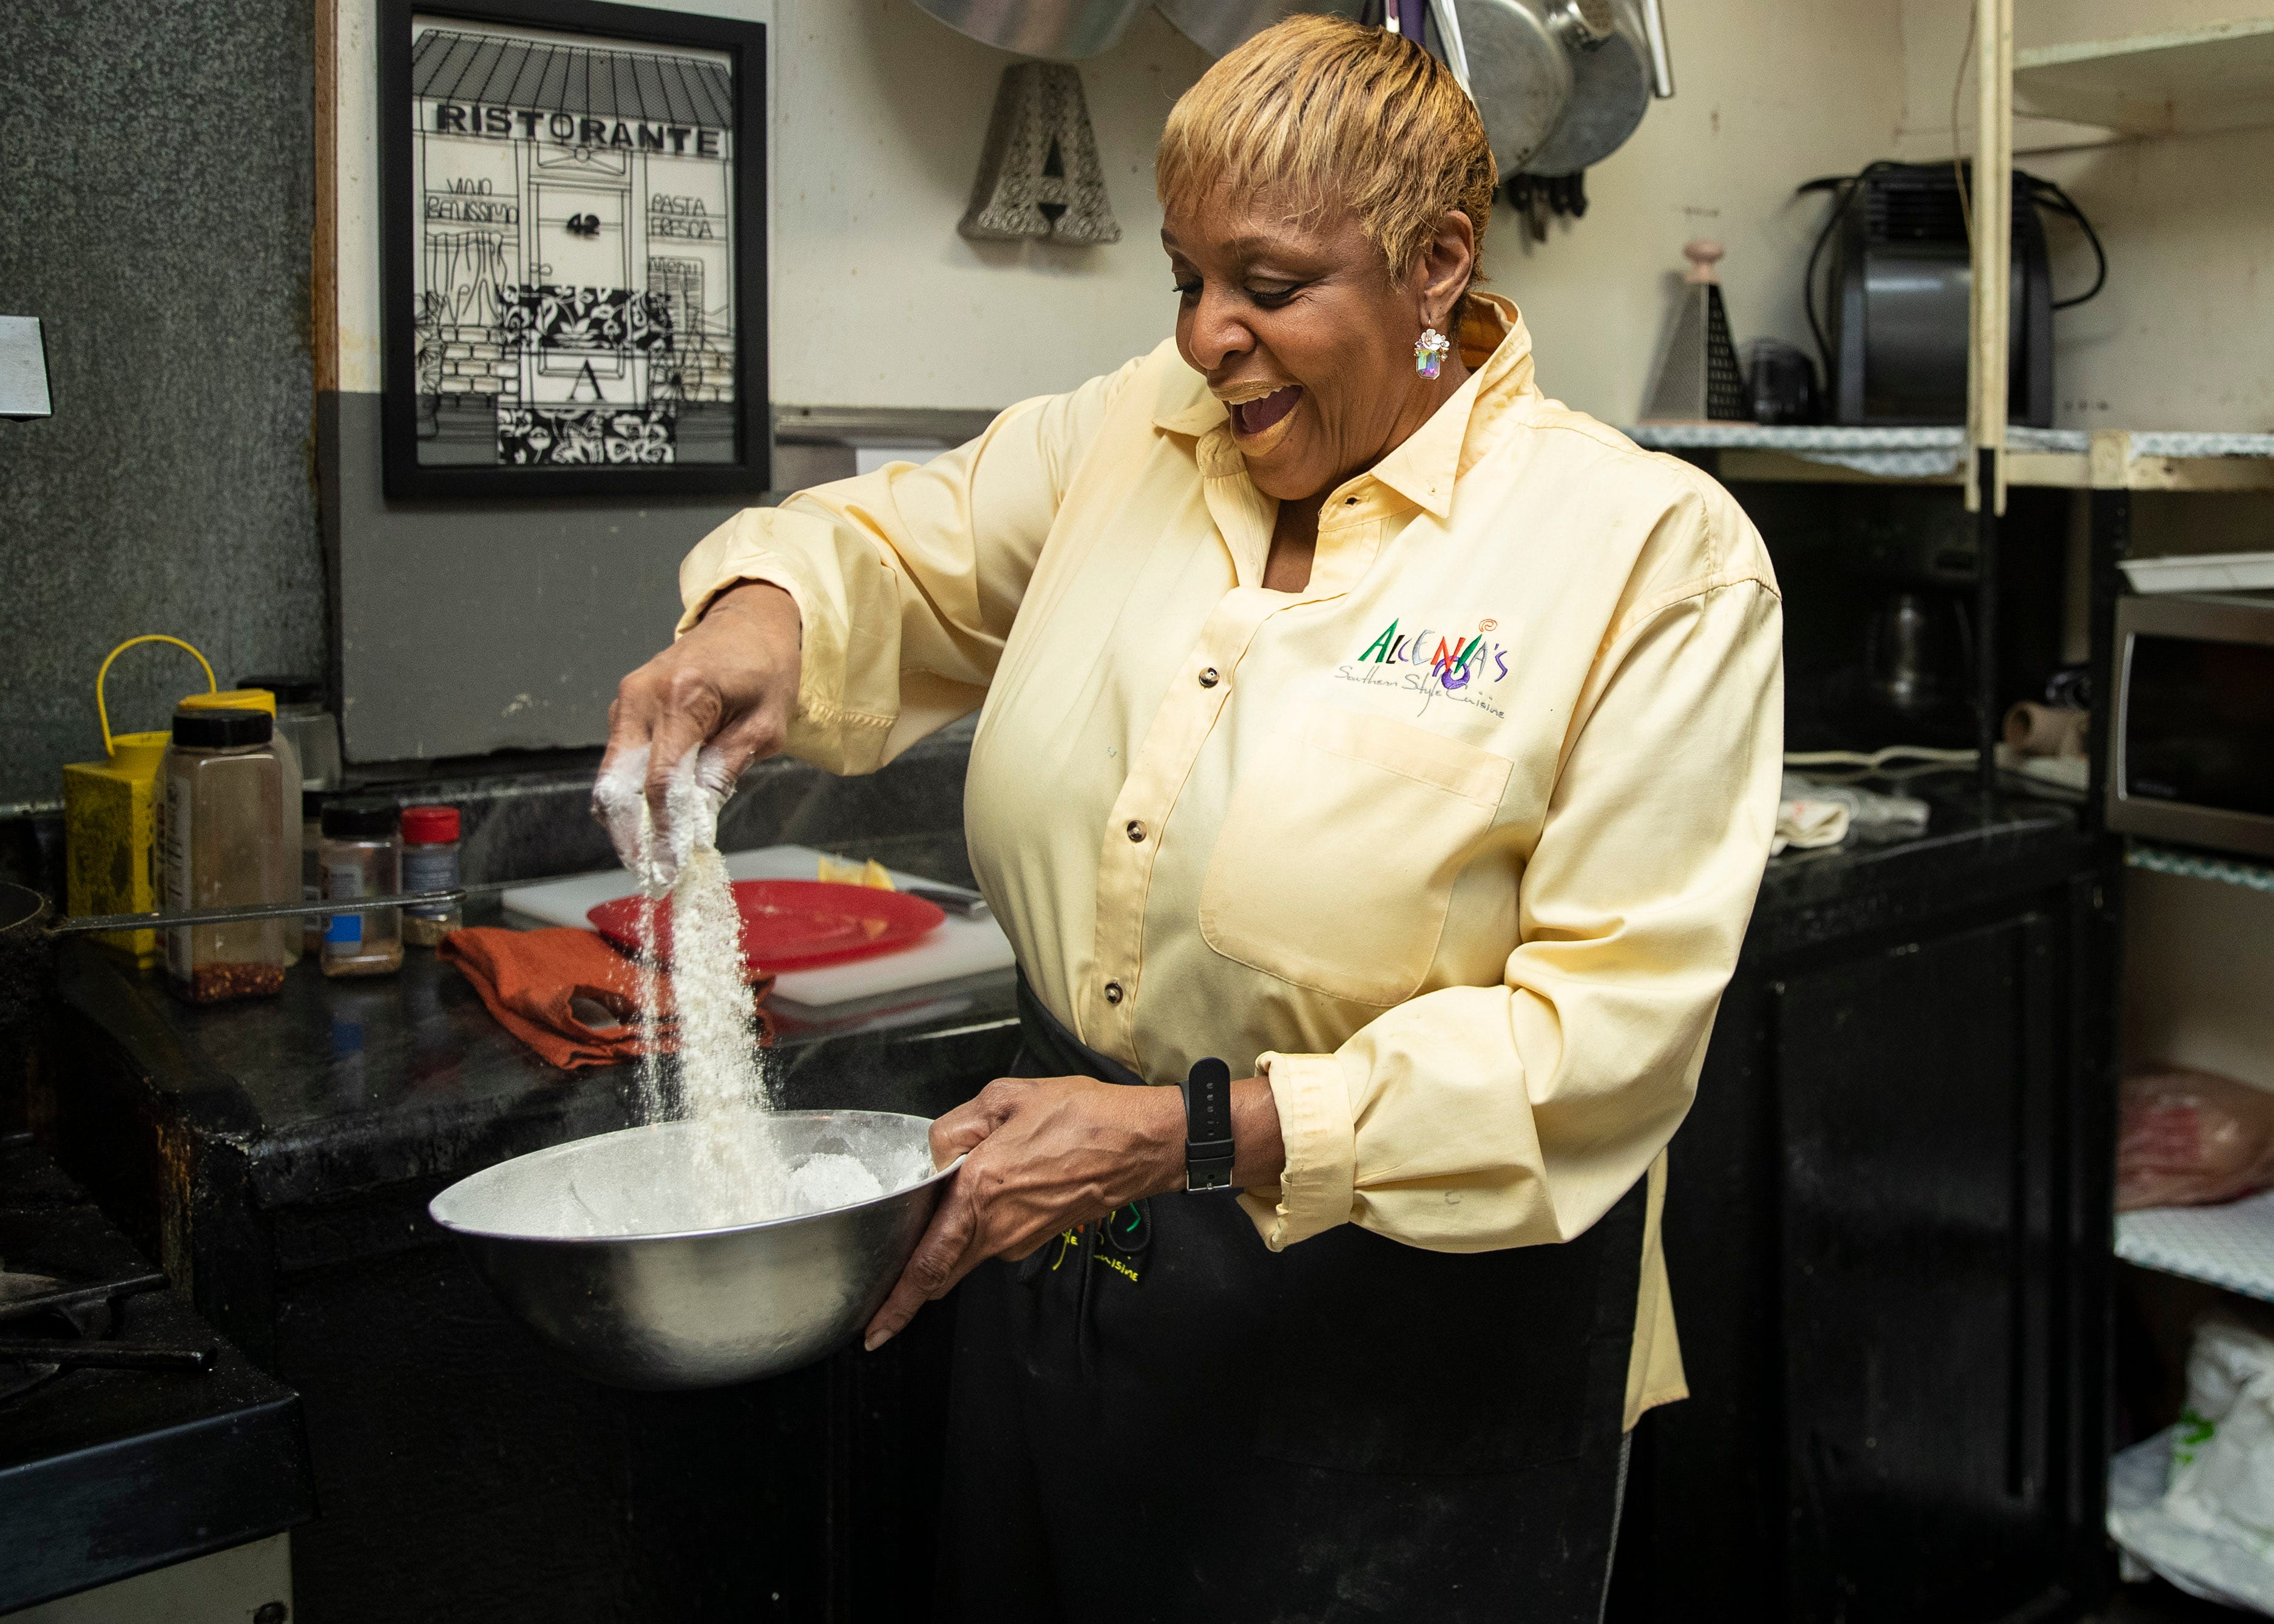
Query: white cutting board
(959,947)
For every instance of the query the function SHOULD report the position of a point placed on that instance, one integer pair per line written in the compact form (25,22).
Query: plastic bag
(2191,1138)
(2208,1524)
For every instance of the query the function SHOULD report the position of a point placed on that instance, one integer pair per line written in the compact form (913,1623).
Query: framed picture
(573,237)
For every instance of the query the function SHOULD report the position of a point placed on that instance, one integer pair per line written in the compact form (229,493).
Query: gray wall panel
(156,176)
(470,628)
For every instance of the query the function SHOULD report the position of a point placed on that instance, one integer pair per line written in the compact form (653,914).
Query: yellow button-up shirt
(1455,845)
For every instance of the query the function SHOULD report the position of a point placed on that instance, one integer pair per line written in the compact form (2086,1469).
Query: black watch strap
(1208,1127)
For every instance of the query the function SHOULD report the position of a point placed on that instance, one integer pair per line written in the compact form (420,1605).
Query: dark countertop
(341,1084)
(1983,846)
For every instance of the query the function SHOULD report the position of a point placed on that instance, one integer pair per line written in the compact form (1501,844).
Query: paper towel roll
(2041,730)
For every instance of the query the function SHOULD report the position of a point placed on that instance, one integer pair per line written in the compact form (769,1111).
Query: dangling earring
(1429,352)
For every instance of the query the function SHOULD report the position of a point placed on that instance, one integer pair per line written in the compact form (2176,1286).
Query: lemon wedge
(839,871)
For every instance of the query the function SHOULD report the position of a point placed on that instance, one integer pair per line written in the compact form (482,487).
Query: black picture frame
(748,472)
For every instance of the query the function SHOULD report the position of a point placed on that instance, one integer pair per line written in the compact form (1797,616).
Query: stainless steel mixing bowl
(691,1307)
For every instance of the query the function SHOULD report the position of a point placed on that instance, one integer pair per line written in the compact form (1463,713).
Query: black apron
(1157,1419)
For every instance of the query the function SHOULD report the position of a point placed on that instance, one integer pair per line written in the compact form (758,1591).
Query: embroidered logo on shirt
(1434,663)
(1453,659)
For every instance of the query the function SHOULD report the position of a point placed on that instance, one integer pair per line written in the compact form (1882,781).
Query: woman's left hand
(1042,1154)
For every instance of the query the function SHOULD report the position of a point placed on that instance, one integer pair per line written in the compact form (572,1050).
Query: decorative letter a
(1039,177)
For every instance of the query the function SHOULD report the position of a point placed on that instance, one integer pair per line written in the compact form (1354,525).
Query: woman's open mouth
(1260,421)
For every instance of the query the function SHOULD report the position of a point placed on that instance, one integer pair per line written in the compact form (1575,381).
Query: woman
(1353,714)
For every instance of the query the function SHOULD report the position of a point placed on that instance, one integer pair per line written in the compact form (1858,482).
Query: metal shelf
(2183,82)
(2197,866)
(2231,1246)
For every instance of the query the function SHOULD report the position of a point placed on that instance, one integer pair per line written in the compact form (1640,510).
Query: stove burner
(70,1283)
(27,1301)
(49,1324)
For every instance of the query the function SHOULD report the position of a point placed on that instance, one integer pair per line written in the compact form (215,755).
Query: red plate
(793,924)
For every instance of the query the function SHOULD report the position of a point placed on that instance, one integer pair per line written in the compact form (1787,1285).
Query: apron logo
(1118,1241)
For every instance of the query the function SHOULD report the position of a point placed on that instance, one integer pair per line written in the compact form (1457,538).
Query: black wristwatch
(1208,1127)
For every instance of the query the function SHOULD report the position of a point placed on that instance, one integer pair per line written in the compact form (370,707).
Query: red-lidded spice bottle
(430,862)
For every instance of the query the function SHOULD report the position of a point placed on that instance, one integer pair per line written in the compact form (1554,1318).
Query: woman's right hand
(730,683)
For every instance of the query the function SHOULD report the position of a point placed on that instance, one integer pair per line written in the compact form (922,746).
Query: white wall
(882,111)
(877,302)
(879,115)
(1769,93)
(2179,340)
(2198,969)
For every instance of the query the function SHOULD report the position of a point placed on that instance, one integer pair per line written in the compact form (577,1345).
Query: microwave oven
(2192,733)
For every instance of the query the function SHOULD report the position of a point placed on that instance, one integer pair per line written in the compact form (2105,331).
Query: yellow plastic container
(110,833)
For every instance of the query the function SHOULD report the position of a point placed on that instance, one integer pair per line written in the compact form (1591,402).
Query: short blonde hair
(1337,112)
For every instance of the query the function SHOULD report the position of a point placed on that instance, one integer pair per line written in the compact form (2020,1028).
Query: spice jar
(301,717)
(361,856)
(312,871)
(430,862)
(222,837)
(288,763)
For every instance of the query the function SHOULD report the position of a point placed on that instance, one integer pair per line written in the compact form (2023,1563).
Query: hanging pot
(1055,30)
(1217,26)
(1521,71)
(1615,75)
(1560,83)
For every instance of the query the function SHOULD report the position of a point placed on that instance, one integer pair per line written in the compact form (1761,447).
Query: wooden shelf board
(2186,81)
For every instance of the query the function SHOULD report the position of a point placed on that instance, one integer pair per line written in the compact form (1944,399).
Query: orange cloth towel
(531,980)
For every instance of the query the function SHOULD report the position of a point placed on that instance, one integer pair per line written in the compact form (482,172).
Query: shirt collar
(1496,348)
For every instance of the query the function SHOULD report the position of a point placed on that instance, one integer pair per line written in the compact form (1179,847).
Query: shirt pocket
(1336,862)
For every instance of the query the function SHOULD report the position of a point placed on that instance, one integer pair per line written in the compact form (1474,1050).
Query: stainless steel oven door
(2193,737)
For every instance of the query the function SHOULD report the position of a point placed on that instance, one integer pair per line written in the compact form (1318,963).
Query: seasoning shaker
(430,862)
(222,837)
(288,782)
(301,717)
(361,856)
(312,869)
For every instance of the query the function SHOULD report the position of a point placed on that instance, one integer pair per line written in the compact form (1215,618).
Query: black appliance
(1894,331)
(1781,381)
(2194,720)
(131,1436)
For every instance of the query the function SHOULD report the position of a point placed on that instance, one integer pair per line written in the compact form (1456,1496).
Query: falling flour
(739,1174)
(721,1079)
